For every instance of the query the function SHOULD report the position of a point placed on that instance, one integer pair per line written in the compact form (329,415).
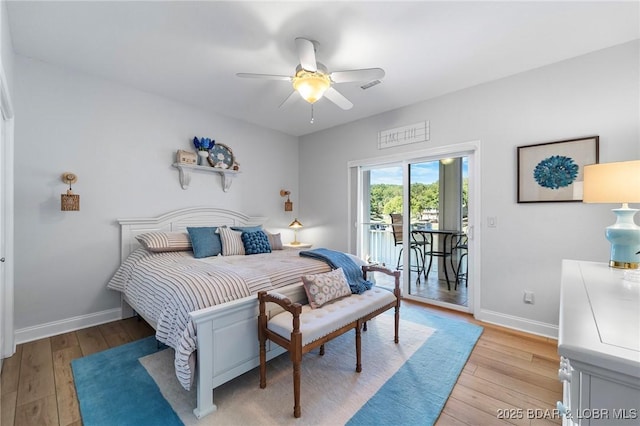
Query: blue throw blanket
(337,259)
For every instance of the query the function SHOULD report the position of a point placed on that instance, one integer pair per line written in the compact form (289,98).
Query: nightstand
(300,245)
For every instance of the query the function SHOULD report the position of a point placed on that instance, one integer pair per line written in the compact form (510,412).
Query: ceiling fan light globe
(311,85)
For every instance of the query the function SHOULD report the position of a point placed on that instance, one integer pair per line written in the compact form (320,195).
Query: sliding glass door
(438,229)
(413,217)
(383,196)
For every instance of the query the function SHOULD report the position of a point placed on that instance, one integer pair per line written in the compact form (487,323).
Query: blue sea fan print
(555,172)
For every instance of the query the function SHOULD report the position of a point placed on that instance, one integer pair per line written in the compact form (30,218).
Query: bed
(221,325)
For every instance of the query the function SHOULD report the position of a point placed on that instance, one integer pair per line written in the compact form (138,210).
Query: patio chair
(417,246)
(460,244)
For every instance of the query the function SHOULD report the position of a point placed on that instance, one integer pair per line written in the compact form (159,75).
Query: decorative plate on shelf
(221,156)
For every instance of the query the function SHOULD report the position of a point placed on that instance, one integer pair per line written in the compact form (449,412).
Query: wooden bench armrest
(384,270)
(284,302)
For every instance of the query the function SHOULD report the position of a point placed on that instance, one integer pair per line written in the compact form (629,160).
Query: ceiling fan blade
(266,76)
(290,99)
(367,74)
(336,97)
(306,54)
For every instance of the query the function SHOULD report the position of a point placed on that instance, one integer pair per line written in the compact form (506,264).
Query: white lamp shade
(617,183)
(612,182)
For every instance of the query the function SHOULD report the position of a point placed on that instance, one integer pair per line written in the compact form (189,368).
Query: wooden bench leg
(262,338)
(263,364)
(358,348)
(296,389)
(295,353)
(397,323)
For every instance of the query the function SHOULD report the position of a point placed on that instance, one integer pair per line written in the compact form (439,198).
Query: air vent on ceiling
(370,84)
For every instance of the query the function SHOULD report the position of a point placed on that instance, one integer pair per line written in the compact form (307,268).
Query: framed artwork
(553,171)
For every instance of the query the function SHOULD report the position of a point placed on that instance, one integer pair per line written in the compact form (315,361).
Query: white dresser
(599,345)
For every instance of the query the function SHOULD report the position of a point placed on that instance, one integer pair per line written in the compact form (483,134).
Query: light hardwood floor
(508,373)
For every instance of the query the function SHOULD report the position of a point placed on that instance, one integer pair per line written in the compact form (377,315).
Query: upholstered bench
(301,328)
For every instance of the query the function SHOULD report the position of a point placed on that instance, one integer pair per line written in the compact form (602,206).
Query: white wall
(596,94)
(121,143)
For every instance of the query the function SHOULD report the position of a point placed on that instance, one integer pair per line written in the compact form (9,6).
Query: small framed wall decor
(553,171)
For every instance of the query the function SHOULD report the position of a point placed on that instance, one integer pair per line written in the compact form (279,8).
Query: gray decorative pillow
(274,241)
(323,288)
(157,242)
(231,242)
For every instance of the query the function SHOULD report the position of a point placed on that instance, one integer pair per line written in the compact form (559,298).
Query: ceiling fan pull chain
(311,114)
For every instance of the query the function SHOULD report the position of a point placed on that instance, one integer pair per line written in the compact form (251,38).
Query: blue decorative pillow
(247,228)
(256,242)
(205,241)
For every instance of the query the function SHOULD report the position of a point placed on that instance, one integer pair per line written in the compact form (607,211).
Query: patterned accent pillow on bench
(323,288)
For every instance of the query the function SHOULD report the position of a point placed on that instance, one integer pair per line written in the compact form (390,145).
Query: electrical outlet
(528,297)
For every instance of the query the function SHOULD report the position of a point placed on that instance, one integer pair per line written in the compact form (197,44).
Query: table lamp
(617,183)
(295,225)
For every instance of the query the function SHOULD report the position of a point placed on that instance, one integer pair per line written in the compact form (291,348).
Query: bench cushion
(316,323)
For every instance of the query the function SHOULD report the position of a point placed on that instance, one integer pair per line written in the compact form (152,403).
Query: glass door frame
(356,215)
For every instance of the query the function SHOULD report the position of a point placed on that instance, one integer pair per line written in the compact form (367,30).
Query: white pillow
(357,260)
(231,242)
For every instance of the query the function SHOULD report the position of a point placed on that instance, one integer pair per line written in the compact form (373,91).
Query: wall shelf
(186,169)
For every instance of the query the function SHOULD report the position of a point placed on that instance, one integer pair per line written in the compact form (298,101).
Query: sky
(420,173)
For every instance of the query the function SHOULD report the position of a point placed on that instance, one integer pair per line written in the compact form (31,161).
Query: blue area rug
(415,395)
(419,390)
(113,388)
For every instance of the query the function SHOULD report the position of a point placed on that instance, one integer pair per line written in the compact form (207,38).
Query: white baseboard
(41,331)
(29,334)
(518,323)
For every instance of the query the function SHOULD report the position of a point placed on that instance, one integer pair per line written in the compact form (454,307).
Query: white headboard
(177,221)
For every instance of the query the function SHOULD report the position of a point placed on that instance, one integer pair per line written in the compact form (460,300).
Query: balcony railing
(379,244)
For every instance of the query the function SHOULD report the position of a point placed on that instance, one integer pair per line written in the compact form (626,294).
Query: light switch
(528,297)
(492,222)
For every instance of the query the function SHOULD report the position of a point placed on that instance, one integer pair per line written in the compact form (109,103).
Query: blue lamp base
(624,236)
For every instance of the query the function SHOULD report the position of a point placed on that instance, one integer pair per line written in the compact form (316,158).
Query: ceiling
(191,51)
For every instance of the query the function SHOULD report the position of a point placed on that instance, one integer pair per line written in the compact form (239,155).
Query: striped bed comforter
(165,287)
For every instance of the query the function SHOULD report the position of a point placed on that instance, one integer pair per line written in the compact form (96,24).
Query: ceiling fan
(313,81)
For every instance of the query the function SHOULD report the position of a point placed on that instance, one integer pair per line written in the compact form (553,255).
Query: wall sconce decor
(295,225)
(288,205)
(617,183)
(69,202)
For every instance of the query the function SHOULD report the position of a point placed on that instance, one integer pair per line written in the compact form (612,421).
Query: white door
(7,343)
(3,244)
